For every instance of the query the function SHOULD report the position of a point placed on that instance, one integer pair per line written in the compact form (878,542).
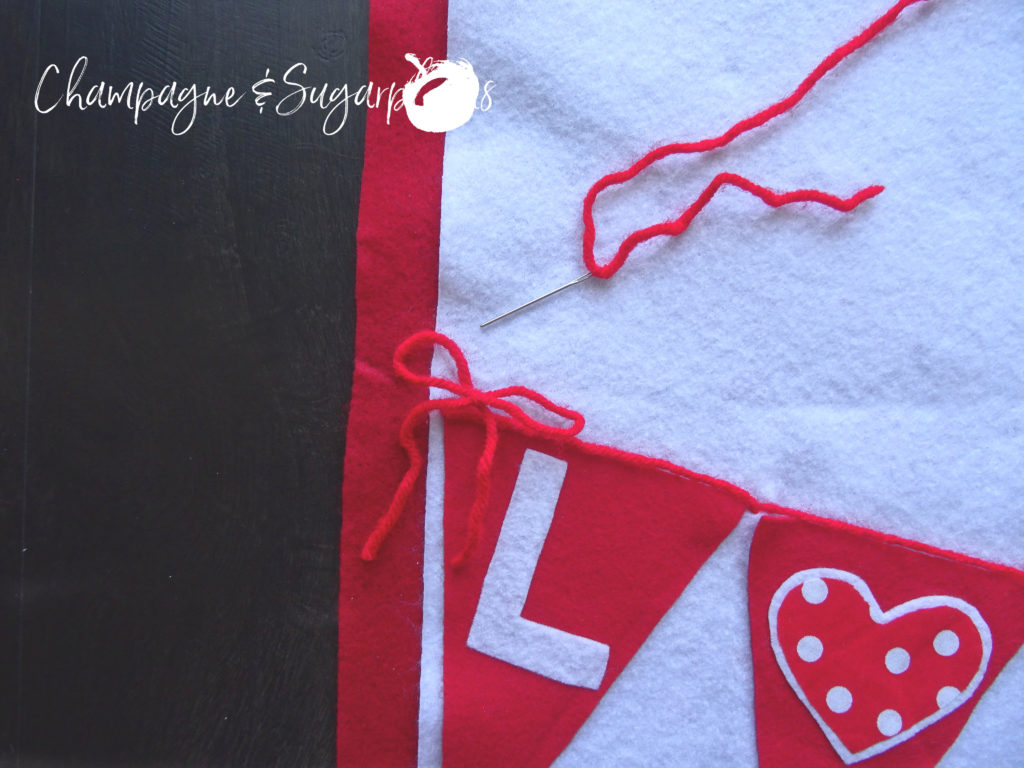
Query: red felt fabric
(896,573)
(624,543)
(380,611)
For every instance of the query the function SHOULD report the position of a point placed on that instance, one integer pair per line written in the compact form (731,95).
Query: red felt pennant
(866,649)
(623,543)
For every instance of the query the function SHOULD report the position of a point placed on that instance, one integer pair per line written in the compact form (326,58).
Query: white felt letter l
(499,629)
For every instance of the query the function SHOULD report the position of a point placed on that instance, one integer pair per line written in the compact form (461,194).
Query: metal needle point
(531,302)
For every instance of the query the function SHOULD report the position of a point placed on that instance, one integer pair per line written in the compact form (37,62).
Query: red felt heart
(871,678)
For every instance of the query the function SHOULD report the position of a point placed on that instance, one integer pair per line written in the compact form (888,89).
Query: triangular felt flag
(869,649)
(580,557)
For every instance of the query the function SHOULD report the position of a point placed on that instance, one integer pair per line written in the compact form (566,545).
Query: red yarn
(494,410)
(678,226)
(477,403)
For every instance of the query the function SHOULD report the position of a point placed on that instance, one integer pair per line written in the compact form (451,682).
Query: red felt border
(380,608)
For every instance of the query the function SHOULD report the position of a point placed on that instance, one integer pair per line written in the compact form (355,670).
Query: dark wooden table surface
(176,324)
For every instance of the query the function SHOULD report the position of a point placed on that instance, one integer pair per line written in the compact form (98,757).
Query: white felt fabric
(432,640)
(865,366)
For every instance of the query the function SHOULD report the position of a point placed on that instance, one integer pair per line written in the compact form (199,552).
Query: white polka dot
(946,643)
(897,661)
(889,722)
(946,695)
(814,591)
(809,648)
(839,699)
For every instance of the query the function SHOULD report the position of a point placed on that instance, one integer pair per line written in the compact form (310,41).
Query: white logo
(442,95)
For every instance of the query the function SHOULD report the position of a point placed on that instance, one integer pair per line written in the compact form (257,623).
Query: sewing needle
(531,302)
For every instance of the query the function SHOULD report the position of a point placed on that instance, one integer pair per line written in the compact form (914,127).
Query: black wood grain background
(176,324)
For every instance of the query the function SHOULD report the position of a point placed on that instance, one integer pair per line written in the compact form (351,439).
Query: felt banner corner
(867,648)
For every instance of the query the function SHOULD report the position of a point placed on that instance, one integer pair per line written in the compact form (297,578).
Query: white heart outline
(879,617)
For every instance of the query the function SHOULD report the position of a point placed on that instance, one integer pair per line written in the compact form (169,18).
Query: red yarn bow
(488,406)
